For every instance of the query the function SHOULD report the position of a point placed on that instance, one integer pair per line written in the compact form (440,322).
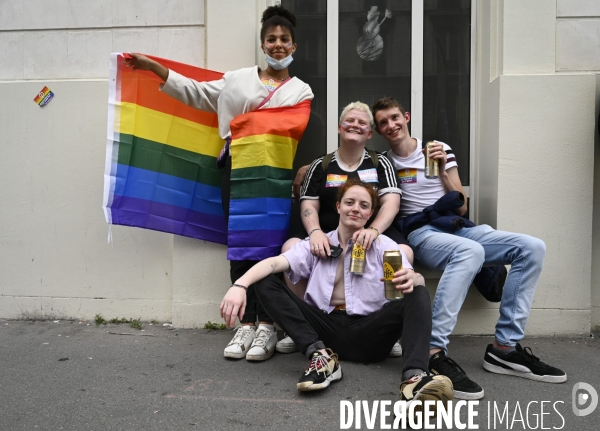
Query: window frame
(416,108)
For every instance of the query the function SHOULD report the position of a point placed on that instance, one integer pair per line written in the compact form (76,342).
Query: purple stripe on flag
(257,238)
(168,218)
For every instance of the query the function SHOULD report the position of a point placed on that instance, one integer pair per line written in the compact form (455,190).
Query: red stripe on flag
(141,87)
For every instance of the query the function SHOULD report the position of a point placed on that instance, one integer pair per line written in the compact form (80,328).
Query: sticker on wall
(44,96)
(370,44)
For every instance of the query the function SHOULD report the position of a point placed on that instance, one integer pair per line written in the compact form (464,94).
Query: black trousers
(237,268)
(354,338)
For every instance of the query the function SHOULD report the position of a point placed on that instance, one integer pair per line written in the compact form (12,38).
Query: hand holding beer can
(357,259)
(392,263)
(432,166)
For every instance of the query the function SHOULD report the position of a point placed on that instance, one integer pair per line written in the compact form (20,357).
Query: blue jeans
(461,256)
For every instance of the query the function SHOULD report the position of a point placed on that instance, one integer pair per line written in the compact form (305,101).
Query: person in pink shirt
(345,312)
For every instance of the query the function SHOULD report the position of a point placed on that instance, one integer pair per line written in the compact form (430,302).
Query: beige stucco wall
(54,256)
(534,123)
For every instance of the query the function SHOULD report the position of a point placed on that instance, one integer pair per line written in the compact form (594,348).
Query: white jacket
(236,93)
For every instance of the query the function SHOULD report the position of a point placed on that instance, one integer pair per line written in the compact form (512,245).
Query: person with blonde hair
(326,175)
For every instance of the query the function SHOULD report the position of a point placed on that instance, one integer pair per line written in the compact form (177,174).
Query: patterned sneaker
(239,344)
(425,387)
(320,372)
(521,363)
(263,346)
(464,388)
(286,345)
(396,350)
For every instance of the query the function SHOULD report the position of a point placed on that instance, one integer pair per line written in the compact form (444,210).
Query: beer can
(357,259)
(431,165)
(392,263)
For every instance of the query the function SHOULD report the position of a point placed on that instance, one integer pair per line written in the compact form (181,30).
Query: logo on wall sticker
(44,97)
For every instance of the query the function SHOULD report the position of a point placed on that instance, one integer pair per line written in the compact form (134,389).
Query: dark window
(447,77)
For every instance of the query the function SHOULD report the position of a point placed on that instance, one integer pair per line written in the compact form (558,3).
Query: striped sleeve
(386,175)
(450,157)
(312,180)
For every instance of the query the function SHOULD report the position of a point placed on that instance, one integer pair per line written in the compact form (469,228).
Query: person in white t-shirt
(461,255)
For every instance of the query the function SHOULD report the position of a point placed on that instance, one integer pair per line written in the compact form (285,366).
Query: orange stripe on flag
(290,121)
(142,88)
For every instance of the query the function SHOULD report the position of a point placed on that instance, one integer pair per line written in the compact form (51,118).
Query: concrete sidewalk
(78,376)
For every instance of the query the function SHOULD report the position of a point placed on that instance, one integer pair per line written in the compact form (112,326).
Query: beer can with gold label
(432,167)
(392,263)
(357,259)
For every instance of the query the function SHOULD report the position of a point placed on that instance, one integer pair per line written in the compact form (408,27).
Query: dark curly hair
(274,16)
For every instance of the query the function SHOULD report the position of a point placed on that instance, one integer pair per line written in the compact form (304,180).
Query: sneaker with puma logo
(521,363)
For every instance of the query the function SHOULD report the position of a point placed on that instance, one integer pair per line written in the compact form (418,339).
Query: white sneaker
(286,345)
(241,341)
(263,346)
(396,350)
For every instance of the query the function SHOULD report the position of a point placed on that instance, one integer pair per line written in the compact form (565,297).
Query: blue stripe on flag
(260,214)
(167,189)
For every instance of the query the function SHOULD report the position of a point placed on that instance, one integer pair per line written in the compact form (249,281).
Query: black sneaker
(320,372)
(464,388)
(425,387)
(521,363)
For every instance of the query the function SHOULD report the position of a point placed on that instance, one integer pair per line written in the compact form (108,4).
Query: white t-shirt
(418,192)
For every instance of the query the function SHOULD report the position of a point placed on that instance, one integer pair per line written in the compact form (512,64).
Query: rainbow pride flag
(160,157)
(263,148)
(161,169)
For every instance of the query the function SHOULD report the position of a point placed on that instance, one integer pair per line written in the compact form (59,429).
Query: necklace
(346,163)
(271,80)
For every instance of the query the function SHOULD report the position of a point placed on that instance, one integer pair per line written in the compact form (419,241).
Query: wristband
(240,285)
(375,229)
(314,230)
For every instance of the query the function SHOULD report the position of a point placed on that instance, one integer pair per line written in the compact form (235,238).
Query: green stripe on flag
(261,181)
(153,156)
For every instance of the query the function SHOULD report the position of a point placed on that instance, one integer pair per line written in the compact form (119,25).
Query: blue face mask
(279,64)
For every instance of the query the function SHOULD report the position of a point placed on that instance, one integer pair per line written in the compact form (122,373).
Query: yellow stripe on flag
(167,129)
(263,150)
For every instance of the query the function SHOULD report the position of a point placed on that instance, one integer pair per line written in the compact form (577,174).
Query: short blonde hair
(357,106)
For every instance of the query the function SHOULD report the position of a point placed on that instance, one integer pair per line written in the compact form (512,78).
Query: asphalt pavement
(70,375)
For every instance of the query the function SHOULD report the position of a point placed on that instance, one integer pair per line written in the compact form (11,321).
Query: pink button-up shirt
(364,294)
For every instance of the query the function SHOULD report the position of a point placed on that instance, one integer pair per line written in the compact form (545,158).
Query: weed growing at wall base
(136,323)
(214,326)
(99,320)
